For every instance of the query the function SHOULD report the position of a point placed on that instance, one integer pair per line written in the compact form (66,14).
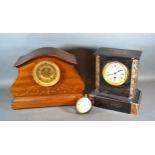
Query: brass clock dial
(46,73)
(115,73)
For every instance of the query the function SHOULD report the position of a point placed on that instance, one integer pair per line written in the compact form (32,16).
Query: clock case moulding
(28,94)
(124,98)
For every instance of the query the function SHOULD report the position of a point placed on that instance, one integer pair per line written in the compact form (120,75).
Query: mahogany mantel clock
(116,80)
(46,77)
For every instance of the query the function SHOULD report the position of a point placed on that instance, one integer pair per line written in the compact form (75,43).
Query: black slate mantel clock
(116,80)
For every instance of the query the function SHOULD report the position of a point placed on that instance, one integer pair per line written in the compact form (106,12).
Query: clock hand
(111,74)
(114,73)
(118,71)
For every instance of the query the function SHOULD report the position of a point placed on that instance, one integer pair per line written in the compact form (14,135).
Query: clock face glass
(115,73)
(46,73)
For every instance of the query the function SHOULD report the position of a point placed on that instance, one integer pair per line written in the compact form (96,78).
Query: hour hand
(119,71)
(115,72)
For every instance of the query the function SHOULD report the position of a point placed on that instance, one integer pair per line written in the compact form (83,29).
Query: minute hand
(115,72)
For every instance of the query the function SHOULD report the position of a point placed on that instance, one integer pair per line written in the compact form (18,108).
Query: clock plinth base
(117,103)
(45,101)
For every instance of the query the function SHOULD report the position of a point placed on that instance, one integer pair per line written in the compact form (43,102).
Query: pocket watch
(83,105)
(115,73)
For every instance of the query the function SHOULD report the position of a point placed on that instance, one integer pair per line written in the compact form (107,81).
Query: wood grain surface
(46,51)
(45,101)
(70,83)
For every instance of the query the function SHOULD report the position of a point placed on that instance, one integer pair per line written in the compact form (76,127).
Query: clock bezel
(123,81)
(41,83)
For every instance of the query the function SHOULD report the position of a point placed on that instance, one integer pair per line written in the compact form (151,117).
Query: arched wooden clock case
(46,77)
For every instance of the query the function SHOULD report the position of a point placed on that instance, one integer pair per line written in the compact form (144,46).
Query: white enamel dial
(115,73)
(83,105)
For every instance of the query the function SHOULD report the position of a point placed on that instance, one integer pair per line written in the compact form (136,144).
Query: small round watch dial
(115,73)
(83,105)
(46,73)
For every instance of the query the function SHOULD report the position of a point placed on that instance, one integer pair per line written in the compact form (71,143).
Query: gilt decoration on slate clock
(116,80)
(46,77)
